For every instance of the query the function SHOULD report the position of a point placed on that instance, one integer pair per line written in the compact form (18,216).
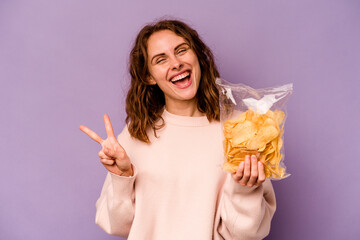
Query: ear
(151,80)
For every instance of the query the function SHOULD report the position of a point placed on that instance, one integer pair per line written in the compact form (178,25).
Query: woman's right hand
(112,155)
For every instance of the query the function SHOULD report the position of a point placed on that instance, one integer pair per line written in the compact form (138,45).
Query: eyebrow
(163,54)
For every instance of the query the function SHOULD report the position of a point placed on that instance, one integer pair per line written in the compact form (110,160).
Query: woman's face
(174,67)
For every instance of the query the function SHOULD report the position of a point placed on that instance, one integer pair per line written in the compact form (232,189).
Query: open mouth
(182,80)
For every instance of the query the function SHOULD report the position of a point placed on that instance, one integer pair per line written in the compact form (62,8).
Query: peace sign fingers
(112,154)
(108,127)
(91,134)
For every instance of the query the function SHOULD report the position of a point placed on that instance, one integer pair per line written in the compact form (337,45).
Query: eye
(182,50)
(160,60)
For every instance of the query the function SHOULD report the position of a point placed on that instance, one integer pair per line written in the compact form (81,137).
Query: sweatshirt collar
(184,120)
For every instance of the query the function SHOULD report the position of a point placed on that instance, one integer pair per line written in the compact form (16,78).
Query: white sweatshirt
(179,190)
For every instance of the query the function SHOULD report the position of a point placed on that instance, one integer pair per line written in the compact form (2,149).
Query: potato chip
(254,133)
(243,132)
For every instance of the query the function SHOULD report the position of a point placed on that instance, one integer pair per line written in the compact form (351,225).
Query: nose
(176,63)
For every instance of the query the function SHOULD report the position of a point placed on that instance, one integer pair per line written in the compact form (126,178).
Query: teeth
(181,76)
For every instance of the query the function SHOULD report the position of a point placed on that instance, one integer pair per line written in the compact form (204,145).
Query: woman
(164,176)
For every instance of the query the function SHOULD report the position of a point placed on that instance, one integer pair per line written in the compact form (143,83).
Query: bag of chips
(253,123)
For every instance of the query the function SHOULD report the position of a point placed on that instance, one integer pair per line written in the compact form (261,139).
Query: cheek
(158,71)
(155,74)
(198,70)
(196,63)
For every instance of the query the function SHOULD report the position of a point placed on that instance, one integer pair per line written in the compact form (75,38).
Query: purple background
(64,63)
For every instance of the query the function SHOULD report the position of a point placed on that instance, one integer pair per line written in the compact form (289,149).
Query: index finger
(91,134)
(108,126)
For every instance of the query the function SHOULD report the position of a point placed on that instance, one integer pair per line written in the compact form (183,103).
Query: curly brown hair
(145,102)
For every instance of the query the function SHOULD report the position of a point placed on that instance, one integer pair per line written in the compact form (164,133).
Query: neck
(184,108)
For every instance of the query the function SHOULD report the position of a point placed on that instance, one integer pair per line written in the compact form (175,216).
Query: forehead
(162,41)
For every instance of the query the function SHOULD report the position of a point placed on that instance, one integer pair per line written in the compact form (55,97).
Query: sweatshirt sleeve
(245,213)
(115,208)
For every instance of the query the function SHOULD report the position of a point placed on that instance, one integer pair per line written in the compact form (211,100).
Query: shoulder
(124,135)
(127,141)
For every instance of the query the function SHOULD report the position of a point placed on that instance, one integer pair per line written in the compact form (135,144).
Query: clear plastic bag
(253,123)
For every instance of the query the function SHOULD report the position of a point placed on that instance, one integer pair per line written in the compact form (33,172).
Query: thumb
(115,151)
(109,151)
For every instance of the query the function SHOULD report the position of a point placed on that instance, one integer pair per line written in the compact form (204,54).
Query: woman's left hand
(250,172)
